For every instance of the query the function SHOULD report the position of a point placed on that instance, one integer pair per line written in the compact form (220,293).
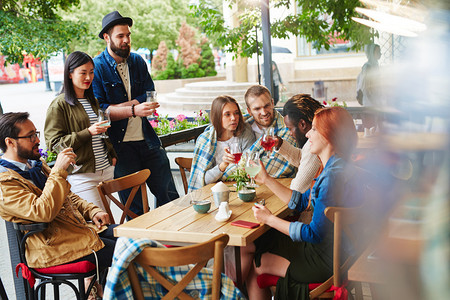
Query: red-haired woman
(302,253)
(212,157)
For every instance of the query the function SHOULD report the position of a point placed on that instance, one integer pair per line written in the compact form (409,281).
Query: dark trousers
(276,94)
(136,156)
(105,254)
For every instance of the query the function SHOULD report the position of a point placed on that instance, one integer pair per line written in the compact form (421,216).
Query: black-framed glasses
(32,137)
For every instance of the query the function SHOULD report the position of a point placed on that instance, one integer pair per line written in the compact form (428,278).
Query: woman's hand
(98,128)
(261,177)
(228,157)
(261,213)
(114,161)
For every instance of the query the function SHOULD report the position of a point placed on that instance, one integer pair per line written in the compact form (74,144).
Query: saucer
(220,219)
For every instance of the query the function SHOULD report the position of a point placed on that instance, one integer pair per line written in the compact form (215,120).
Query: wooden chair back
(184,163)
(133,181)
(343,219)
(198,254)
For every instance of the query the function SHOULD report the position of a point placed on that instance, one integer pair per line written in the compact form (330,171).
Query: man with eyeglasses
(32,192)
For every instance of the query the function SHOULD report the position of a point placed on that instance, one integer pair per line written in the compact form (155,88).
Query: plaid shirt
(205,149)
(118,285)
(278,166)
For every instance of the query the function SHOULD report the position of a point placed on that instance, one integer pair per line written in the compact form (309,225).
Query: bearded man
(121,80)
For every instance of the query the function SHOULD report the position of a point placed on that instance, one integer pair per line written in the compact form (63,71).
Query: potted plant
(241,177)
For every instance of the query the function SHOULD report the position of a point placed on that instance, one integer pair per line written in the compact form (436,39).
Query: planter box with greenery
(180,129)
(181,136)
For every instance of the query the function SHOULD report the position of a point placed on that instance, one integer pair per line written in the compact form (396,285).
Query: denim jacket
(339,184)
(109,89)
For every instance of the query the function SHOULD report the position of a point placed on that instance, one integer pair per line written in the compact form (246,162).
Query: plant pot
(181,136)
(247,195)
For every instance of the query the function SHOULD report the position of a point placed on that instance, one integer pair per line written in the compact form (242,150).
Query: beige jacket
(68,236)
(306,162)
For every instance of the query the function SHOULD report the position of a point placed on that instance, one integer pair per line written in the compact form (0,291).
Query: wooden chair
(342,218)
(198,254)
(69,274)
(133,181)
(184,163)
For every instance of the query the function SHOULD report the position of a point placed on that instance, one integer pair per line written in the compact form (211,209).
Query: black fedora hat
(111,19)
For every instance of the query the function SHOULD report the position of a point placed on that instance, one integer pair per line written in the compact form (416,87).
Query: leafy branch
(320,22)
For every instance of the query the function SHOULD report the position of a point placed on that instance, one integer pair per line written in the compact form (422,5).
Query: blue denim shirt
(109,89)
(339,184)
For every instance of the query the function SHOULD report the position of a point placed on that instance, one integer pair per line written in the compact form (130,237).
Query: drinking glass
(60,146)
(151,96)
(268,140)
(103,115)
(252,167)
(236,150)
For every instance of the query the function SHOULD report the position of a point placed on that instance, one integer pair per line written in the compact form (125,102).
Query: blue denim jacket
(339,184)
(109,89)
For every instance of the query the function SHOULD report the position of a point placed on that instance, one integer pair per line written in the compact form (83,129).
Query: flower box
(181,136)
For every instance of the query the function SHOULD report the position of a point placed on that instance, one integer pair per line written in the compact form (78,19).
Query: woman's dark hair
(8,126)
(73,61)
(216,114)
(337,127)
(301,106)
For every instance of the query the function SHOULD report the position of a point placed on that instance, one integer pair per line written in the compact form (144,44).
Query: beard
(29,154)
(124,53)
(301,139)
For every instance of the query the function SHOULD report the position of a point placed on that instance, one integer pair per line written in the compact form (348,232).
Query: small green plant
(240,176)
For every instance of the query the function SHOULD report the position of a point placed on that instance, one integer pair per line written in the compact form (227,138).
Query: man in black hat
(120,83)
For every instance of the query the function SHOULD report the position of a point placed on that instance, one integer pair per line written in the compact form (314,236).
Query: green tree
(153,21)
(207,63)
(319,21)
(34,27)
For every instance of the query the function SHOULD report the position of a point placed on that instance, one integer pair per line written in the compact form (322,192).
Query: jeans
(136,156)
(105,254)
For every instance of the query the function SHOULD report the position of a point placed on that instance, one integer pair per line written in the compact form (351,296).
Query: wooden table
(177,224)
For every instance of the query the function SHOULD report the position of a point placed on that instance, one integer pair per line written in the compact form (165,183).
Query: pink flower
(200,113)
(334,99)
(180,118)
(154,123)
(325,102)
(156,114)
(172,124)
